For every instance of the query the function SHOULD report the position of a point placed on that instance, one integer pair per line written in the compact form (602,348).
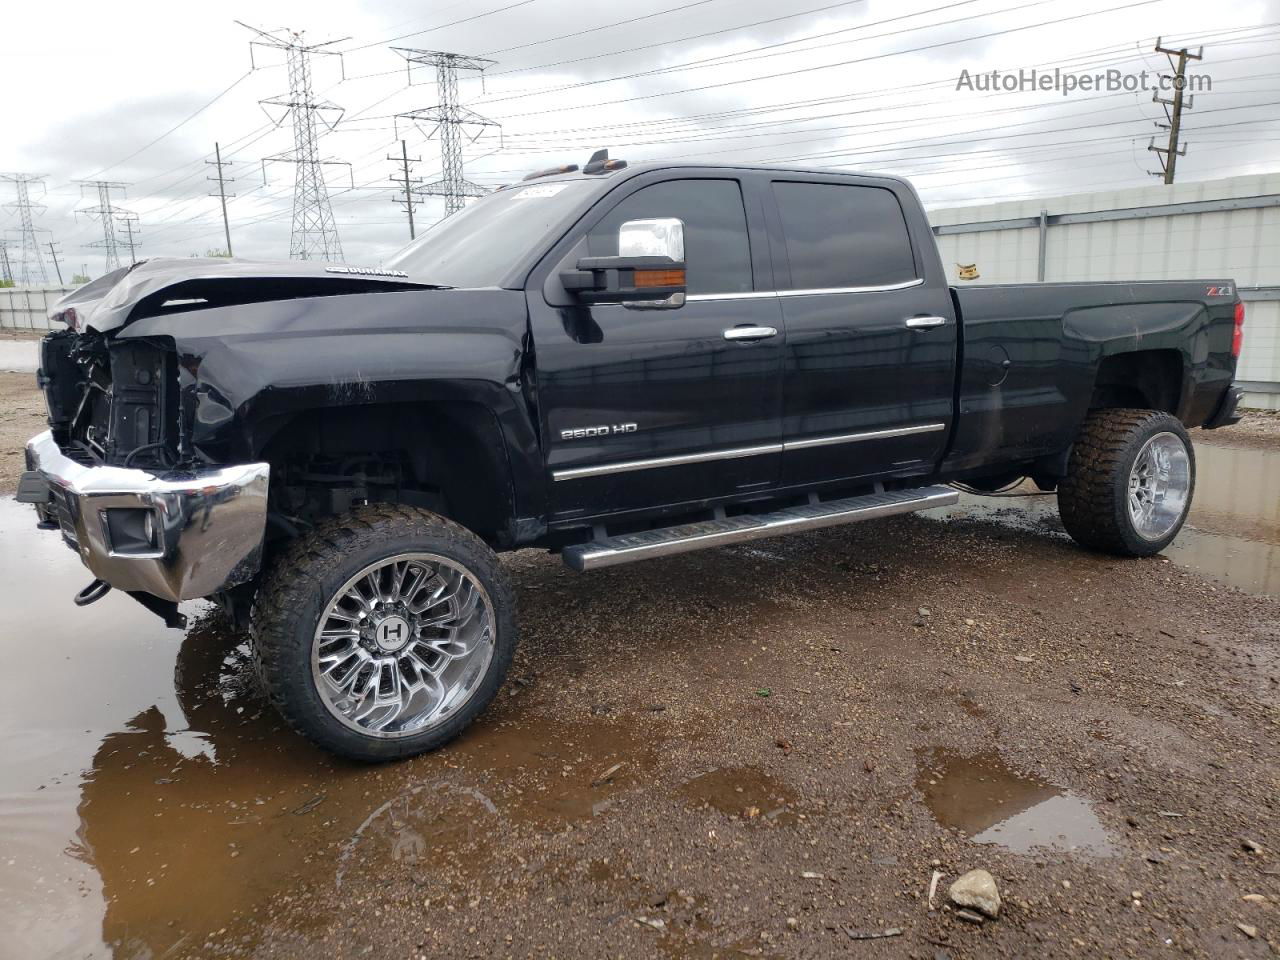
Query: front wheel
(1129,482)
(384,632)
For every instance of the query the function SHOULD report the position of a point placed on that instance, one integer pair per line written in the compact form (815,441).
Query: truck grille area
(111,402)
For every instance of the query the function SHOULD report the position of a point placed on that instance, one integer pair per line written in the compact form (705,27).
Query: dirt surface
(1257,428)
(22,415)
(765,750)
(7,333)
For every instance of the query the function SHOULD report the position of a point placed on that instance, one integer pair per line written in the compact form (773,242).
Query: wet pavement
(1232,535)
(671,768)
(989,802)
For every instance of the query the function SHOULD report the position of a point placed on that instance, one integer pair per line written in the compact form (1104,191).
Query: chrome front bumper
(204,528)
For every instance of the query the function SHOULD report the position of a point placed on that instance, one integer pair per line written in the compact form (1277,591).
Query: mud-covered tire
(306,578)
(1093,499)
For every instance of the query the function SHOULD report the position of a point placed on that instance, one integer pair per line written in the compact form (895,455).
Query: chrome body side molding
(626,466)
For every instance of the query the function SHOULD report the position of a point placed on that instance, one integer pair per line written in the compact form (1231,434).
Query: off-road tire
(1093,497)
(303,579)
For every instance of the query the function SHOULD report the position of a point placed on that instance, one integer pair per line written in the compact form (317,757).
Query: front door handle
(750,333)
(925,323)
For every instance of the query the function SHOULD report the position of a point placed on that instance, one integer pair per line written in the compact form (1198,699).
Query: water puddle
(1232,535)
(148,796)
(988,802)
(744,792)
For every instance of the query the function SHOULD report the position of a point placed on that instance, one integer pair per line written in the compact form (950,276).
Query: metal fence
(1215,230)
(27,308)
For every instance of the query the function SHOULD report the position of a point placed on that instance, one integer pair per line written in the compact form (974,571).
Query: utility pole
(127,221)
(1173,109)
(315,232)
(107,213)
(406,183)
(30,263)
(54,254)
(449,118)
(222,194)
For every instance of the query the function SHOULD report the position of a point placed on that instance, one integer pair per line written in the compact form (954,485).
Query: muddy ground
(765,750)
(22,416)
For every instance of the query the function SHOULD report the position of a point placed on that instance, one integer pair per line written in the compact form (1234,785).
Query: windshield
(478,245)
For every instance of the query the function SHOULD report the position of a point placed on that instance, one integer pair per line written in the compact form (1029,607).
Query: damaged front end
(116,475)
(142,470)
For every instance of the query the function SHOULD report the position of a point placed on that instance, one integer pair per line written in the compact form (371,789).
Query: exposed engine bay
(112,402)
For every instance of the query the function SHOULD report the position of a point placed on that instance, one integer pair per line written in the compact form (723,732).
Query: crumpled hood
(178,284)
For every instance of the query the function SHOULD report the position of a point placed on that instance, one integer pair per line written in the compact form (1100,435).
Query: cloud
(867,84)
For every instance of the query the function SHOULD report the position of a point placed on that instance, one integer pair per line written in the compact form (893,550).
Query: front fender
(246,371)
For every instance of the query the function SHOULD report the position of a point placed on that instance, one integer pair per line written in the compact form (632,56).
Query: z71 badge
(604,430)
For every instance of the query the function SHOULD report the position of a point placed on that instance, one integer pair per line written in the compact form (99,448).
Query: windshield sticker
(539,191)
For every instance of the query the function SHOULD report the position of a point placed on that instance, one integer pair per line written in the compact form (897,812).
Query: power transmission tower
(222,194)
(315,233)
(1173,109)
(108,214)
(448,117)
(6,274)
(53,252)
(127,221)
(406,183)
(30,263)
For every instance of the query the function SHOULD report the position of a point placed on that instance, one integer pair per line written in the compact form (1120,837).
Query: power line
(30,262)
(406,183)
(53,252)
(1173,109)
(314,234)
(177,126)
(107,213)
(817,67)
(222,194)
(441,26)
(449,117)
(127,221)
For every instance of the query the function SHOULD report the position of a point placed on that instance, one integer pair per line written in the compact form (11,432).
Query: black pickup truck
(615,363)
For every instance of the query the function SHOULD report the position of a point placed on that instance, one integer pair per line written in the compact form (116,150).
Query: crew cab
(616,363)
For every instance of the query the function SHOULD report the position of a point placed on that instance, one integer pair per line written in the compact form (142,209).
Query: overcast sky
(139,93)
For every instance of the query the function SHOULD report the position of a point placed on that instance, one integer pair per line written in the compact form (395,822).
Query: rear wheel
(1129,482)
(385,632)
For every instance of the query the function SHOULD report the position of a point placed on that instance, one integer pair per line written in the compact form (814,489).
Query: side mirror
(648,272)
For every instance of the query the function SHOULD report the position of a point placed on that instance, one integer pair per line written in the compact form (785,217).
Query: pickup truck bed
(1036,357)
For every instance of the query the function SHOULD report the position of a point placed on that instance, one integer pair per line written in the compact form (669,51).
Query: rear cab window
(842,236)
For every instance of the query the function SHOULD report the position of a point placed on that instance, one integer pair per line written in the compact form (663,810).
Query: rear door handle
(750,333)
(925,323)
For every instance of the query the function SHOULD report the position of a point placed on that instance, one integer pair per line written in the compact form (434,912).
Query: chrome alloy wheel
(403,645)
(1159,486)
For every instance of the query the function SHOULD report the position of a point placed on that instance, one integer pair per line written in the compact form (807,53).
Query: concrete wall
(27,308)
(1235,234)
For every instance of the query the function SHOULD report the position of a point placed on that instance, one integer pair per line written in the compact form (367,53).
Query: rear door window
(843,235)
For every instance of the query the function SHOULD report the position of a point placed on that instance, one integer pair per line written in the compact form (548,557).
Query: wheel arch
(1152,379)
(447,437)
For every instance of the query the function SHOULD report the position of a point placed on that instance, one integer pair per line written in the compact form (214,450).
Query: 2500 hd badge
(604,430)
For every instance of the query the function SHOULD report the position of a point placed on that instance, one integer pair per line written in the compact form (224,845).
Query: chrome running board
(630,547)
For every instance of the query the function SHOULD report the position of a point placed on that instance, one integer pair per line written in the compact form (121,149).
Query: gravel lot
(765,750)
(22,416)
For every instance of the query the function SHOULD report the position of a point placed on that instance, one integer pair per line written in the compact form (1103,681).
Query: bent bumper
(178,535)
(1228,412)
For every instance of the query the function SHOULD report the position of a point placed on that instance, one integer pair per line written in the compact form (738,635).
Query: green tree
(79,279)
